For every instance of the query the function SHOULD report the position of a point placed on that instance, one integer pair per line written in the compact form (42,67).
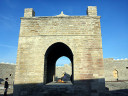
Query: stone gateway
(43,40)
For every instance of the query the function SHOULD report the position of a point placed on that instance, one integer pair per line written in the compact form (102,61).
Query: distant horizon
(59,65)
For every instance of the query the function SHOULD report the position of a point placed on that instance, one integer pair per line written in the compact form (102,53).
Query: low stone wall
(110,65)
(8,70)
(120,65)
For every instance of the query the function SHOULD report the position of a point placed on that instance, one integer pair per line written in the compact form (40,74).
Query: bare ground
(115,89)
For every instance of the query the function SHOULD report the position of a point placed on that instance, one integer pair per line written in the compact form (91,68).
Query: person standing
(6,86)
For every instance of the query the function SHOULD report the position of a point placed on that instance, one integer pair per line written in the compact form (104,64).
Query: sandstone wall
(42,40)
(7,71)
(82,34)
(120,65)
(109,65)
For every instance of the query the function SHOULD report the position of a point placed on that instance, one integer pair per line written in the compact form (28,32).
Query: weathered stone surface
(120,65)
(7,71)
(43,40)
(92,11)
(109,65)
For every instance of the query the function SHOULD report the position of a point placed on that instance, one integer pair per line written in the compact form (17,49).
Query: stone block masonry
(43,40)
(7,71)
(121,65)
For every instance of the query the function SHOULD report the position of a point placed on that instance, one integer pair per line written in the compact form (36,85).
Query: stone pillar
(29,12)
(92,11)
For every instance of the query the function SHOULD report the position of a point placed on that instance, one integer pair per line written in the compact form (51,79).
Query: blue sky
(114,23)
(63,60)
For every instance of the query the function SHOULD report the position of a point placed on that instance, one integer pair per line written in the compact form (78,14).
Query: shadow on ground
(7,95)
(78,88)
(122,92)
(68,90)
(119,88)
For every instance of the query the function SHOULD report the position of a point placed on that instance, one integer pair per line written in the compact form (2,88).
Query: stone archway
(40,45)
(55,51)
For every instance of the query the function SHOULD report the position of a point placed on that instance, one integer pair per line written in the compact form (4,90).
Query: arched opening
(54,52)
(115,74)
(63,70)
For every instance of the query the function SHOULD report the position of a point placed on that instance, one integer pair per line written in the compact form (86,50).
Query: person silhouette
(6,87)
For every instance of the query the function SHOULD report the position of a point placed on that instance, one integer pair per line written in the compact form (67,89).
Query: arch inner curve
(54,52)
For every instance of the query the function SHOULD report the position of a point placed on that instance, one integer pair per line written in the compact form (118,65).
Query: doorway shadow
(7,94)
